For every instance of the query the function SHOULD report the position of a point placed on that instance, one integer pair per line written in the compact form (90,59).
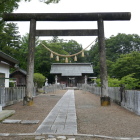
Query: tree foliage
(9,39)
(39,79)
(127,64)
(121,44)
(130,82)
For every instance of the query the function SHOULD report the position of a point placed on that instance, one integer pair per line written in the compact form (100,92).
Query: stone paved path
(62,118)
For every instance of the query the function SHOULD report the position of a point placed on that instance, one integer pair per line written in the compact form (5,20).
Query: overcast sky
(81,6)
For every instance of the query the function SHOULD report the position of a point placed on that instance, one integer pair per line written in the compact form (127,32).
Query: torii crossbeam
(99,17)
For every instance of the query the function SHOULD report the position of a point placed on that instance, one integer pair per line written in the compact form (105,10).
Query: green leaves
(130,82)
(127,64)
(51,1)
(9,39)
(39,79)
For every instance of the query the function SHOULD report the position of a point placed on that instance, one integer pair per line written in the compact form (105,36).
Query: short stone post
(56,79)
(85,79)
(0,108)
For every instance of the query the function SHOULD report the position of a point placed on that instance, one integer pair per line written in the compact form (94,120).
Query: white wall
(4,68)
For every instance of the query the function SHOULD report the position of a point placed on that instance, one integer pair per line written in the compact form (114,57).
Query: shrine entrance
(99,17)
(71,82)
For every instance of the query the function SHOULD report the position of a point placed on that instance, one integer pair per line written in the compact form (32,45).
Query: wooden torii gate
(99,17)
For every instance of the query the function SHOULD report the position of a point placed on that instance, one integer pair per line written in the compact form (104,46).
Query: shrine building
(71,73)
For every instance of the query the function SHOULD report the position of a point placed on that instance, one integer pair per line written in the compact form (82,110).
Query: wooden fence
(11,95)
(129,99)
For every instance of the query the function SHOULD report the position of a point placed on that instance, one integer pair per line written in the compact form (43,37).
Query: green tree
(39,79)
(73,47)
(94,58)
(9,39)
(7,6)
(112,82)
(130,82)
(51,1)
(23,50)
(115,46)
(42,58)
(121,44)
(127,64)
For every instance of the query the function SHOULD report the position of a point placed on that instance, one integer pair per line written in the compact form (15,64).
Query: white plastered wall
(4,68)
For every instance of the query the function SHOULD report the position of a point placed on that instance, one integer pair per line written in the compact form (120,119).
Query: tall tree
(121,44)
(9,39)
(115,46)
(23,50)
(127,64)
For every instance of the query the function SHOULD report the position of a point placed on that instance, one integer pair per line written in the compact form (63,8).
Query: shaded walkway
(62,118)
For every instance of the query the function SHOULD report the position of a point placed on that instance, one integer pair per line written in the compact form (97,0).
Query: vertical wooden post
(105,100)
(30,65)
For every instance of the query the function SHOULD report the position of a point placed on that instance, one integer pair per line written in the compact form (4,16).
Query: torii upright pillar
(105,99)
(30,66)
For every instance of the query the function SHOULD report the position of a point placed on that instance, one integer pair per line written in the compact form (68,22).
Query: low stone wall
(53,88)
(12,95)
(129,99)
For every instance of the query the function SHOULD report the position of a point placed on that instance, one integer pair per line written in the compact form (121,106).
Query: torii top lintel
(106,16)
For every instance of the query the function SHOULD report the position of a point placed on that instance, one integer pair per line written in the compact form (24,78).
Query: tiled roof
(71,69)
(8,59)
(19,70)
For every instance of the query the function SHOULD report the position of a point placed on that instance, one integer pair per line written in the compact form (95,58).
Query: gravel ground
(91,117)
(110,121)
(43,104)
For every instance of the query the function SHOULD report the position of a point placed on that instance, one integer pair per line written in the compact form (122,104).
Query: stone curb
(80,135)
(6,113)
(9,121)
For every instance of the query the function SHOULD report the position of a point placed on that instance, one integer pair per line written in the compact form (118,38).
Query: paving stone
(51,136)
(71,123)
(61,138)
(57,127)
(71,139)
(60,120)
(49,123)
(40,138)
(61,116)
(51,139)
(43,129)
(29,121)
(6,113)
(4,134)
(11,121)
(59,123)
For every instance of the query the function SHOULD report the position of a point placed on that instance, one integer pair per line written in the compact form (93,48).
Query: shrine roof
(8,59)
(71,69)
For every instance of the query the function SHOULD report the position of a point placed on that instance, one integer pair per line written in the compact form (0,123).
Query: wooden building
(6,62)
(20,77)
(71,73)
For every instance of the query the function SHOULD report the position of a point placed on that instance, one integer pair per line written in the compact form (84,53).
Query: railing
(129,99)
(12,95)
(53,88)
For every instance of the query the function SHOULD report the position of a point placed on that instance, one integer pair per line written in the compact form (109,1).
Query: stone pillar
(85,79)
(56,79)
(30,66)
(0,108)
(46,83)
(105,100)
